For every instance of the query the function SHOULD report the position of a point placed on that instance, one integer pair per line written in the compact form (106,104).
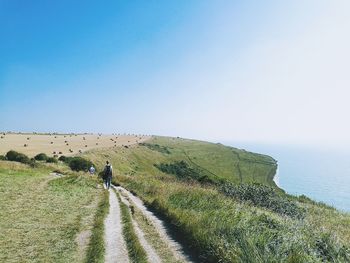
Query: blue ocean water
(321,174)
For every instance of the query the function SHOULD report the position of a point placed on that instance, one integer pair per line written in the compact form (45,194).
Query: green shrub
(65,159)
(156,147)
(51,160)
(79,164)
(2,157)
(183,171)
(18,157)
(264,196)
(62,158)
(41,157)
(329,250)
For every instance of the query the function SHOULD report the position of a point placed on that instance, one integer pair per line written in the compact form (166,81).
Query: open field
(62,144)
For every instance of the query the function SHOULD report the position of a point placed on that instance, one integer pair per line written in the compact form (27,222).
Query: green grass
(136,252)
(96,249)
(153,237)
(222,227)
(41,215)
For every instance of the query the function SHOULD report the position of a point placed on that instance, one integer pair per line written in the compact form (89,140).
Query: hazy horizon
(259,72)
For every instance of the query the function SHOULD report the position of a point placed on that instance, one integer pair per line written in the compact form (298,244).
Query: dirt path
(152,255)
(115,245)
(175,247)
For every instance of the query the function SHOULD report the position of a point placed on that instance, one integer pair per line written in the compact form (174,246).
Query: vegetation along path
(158,246)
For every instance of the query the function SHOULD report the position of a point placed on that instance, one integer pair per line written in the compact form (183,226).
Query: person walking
(108,173)
(92,170)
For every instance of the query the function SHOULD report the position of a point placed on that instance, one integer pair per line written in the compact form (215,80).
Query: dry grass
(42,215)
(48,144)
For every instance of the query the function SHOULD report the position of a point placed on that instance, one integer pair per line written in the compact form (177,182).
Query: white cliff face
(276,178)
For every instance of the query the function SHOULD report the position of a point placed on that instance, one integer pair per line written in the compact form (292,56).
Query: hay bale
(25,145)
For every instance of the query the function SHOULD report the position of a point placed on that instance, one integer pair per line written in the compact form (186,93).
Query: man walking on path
(107,175)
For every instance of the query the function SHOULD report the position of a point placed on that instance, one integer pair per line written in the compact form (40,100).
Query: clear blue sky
(258,71)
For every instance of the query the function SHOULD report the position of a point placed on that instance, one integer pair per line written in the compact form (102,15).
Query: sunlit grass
(41,215)
(222,228)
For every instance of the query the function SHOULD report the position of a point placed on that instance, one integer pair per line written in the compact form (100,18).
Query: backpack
(108,170)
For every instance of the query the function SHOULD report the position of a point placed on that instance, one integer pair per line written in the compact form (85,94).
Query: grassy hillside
(45,218)
(205,191)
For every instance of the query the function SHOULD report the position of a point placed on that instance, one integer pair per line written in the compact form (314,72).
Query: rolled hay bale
(51,142)
(28,138)
(97,143)
(80,151)
(59,152)
(70,150)
(85,145)
(67,144)
(25,145)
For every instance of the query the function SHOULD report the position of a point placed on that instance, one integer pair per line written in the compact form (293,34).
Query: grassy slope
(40,215)
(219,227)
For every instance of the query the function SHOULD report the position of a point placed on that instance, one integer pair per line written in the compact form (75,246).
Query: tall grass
(242,223)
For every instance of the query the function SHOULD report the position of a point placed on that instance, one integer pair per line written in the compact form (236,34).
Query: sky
(253,71)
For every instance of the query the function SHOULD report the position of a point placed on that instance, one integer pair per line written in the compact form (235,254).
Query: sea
(319,173)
